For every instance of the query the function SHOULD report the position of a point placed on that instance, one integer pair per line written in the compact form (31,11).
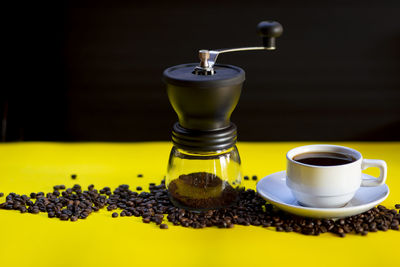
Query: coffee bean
(397,206)
(139,188)
(246,177)
(364,232)
(114,215)
(380,207)
(307,231)
(163,226)
(35,211)
(140,175)
(347,228)
(73,176)
(1,194)
(22,209)
(254,177)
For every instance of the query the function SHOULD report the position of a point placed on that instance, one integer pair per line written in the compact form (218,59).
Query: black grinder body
(204,104)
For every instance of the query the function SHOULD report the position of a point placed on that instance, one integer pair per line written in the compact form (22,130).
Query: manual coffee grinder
(204,164)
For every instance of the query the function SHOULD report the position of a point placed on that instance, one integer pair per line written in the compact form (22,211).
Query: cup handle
(366,163)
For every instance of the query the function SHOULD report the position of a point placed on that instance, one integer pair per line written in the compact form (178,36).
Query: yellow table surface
(35,240)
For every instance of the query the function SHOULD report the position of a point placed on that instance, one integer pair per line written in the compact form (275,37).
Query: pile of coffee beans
(74,203)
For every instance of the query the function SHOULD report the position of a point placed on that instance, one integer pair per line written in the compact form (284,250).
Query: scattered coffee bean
(22,209)
(139,188)
(1,194)
(73,176)
(246,177)
(254,177)
(397,206)
(250,209)
(140,175)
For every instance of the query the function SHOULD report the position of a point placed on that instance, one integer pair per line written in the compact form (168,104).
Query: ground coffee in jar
(201,190)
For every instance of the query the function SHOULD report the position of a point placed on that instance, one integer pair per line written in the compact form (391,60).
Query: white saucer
(273,189)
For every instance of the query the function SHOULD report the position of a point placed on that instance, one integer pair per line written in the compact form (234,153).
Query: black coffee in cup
(324,158)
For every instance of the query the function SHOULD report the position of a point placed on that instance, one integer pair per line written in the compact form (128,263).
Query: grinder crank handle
(268,30)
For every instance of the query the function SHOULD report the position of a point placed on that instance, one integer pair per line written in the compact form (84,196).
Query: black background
(91,70)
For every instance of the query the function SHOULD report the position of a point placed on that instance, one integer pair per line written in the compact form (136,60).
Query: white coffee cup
(329,186)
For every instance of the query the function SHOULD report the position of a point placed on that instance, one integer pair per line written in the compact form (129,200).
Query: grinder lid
(183,75)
